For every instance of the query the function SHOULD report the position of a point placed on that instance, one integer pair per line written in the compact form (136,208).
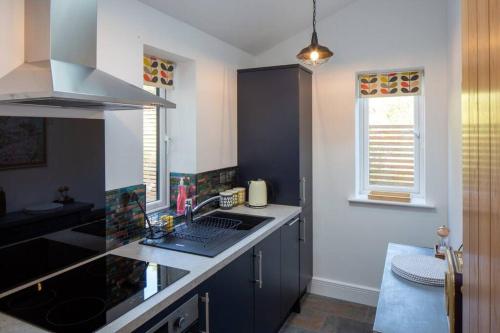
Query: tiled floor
(327,315)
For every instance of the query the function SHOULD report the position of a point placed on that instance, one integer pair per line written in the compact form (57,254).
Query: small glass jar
(226,200)
(241,194)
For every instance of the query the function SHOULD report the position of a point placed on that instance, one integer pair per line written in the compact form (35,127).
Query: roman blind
(158,72)
(383,84)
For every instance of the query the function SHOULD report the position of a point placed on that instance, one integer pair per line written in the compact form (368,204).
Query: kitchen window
(154,153)
(391,135)
(158,75)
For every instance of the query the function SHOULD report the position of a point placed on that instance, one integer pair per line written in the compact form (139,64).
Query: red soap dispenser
(181,197)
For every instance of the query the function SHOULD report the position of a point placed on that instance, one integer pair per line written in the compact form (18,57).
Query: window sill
(415,203)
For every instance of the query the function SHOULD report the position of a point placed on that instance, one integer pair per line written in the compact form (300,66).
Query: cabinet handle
(303,237)
(293,222)
(259,280)
(206,299)
(303,181)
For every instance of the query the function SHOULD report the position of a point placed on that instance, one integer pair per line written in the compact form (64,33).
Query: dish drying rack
(205,229)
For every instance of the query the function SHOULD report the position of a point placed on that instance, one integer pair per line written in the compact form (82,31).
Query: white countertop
(200,269)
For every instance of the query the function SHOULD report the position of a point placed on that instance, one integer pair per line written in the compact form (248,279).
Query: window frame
(362,152)
(163,184)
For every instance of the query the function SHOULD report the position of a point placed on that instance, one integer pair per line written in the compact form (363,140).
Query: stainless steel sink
(247,224)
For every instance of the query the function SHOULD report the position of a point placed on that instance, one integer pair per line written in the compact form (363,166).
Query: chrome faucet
(189,211)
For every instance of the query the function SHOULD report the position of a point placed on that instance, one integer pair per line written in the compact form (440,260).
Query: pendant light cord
(314,15)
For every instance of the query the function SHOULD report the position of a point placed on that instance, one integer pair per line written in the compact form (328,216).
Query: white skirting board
(344,291)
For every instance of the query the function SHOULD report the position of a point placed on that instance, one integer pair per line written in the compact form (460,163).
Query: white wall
(124,27)
(455,125)
(11,35)
(351,240)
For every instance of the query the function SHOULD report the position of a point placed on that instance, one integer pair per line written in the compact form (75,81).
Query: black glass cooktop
(90,296)
(33,259)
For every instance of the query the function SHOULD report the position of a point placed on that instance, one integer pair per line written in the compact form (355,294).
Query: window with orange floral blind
(390,132)
(158,77)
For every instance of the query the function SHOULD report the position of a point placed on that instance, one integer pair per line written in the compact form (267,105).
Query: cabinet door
(306,249)
(267,263)
(305,140)
(230,294)
(268,120)
(290,288)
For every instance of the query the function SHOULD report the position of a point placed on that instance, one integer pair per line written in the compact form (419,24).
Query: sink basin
(248,225)
(248,222)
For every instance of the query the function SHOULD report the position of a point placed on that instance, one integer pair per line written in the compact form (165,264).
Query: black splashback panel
(37,157)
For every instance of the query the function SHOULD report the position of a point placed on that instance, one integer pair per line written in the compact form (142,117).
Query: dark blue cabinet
(257,291)
(275,142)
(230,297)
(267,267)
(290,267)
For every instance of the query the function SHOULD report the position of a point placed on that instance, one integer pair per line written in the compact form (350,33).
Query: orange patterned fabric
(158,72)
(386,84)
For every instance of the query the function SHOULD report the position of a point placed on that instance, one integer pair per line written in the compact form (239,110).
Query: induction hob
(90,296)
(36,258)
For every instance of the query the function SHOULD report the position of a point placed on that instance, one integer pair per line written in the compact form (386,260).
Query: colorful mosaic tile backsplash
(203,185)
(124,218)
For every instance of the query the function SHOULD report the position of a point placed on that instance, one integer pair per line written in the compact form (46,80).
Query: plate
(43,208)
(420,269)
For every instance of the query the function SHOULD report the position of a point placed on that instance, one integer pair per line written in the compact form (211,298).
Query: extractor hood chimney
(60,63)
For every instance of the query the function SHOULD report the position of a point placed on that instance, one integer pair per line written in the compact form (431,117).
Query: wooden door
(481,164)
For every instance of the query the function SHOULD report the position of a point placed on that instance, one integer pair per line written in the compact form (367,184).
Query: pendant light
(314,54)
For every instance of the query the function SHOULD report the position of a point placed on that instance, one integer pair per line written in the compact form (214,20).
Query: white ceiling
(251,25)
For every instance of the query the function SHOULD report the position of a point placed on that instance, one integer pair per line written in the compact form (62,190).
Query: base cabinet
(254,293)
(230,297)
(290,267)
(267,291)
(306,250)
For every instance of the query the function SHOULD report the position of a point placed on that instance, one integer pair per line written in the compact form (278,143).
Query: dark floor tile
(339,308)
(287,328)
(308,319)
(370,314)
(344,325)
(321,314)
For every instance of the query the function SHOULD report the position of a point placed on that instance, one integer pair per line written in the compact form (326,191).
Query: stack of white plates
(43,208)
(420,269)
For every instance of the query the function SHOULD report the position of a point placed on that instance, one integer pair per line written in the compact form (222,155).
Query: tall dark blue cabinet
(275,142)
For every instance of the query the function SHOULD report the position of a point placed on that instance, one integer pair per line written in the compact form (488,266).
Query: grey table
(408,307)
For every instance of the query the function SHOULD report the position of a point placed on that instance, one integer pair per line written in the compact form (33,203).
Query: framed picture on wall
(23,142)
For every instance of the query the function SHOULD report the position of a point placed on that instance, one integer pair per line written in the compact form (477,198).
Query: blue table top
(409,307)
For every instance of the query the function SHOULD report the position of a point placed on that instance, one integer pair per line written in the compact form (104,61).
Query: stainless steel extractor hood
(60,63)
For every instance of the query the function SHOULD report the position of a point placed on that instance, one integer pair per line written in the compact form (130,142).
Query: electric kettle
(257,193)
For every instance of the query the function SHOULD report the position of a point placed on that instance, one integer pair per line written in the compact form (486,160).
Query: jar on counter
(235,197)
(226,200)
(241,194)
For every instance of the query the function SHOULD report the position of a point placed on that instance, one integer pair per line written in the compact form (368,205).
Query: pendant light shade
(314,54)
